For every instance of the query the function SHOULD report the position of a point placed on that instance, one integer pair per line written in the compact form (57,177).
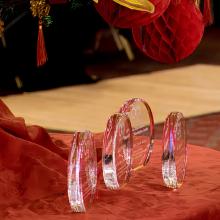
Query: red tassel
(207,14)
(41,50)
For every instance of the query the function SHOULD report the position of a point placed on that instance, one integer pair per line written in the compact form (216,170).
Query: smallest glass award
(174,156)
(82,171)
(117,149)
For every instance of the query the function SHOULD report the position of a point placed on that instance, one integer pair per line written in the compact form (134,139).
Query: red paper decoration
(173,36)
(122,17)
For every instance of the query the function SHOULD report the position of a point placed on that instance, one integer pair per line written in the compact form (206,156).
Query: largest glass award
(82,171)
(142,123)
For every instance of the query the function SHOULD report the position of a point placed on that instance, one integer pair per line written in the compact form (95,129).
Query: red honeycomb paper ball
(122,17)
(173,36)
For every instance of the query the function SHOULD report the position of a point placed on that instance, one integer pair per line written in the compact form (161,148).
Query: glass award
(174,156)
(82,171)
(142,123)
(117,149)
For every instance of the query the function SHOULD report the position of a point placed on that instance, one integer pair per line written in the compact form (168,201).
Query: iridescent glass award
(117,149)
(174,157)
(82,171)
(142,124)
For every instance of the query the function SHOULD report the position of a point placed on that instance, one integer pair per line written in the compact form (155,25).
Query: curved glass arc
(82,171)
(142,123)
(117,150)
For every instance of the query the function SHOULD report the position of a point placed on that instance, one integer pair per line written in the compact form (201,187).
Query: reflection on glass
(174,156)
(142,124)
(82,171)
(117,149)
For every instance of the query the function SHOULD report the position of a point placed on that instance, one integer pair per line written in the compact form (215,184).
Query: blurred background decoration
(84,37)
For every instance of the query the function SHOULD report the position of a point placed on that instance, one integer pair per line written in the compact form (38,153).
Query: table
(41,186)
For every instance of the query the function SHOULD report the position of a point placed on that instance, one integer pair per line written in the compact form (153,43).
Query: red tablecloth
(33,181)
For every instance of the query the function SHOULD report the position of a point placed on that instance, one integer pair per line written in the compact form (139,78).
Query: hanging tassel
(207,13)
(41,50)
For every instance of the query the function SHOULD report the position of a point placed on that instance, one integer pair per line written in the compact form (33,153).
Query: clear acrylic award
(142,123)
(117,150)
(82,171)
(174,156)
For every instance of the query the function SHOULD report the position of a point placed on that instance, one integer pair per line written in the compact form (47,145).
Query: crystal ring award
(174,156)
(142,123)
(117,149)
(82,171)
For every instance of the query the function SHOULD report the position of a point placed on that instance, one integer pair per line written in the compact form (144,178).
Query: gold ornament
(39,8)
(140,5)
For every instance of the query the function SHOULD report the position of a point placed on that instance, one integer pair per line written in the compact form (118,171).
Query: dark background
(71,34)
